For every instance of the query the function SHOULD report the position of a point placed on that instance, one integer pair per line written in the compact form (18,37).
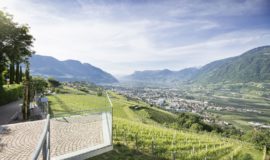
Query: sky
(125,36)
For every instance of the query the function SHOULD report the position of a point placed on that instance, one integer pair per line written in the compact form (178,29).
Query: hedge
(11,93)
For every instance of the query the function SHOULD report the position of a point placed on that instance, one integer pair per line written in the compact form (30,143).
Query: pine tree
(20,74)
(11,73)
(1,82)
(17,72)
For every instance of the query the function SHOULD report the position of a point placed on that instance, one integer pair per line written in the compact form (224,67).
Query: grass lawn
(64,104)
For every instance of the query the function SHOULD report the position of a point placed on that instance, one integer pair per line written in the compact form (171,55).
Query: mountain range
(253,65)
(68,70)
(162,76)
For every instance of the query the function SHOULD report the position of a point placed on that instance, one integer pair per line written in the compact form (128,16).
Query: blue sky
(123,36)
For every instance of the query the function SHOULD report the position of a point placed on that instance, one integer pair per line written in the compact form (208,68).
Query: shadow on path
(8,111)
(3,131)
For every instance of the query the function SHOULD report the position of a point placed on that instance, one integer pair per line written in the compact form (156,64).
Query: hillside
(69,70)
(134,140)
(142,133)
(251,66)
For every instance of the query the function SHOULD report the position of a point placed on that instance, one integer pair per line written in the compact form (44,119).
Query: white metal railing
(107,123)
(111,124)
(111,105)
(44,142)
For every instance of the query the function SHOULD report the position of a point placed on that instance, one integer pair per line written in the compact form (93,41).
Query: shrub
(11,93)
(99,93)
(53,83)
(57,90)
(39,84)
(246,156)
(84,90)
(260,137)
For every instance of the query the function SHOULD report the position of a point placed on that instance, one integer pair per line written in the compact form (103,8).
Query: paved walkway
(18,141)
(8,111)
(76,133)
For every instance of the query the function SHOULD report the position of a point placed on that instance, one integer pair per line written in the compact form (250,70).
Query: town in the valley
(174,100)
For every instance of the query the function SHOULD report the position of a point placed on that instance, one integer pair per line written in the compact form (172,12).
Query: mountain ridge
(252,65)
(68,70)
(164,75)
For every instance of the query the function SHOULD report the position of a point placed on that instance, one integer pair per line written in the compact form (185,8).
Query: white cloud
(121,38)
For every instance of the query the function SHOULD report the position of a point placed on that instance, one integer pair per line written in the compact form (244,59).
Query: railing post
(48,141)
(44,149)
(44,142)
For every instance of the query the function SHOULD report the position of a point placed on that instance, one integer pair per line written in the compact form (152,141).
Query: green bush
(246,156)
(11,93)
(99,93)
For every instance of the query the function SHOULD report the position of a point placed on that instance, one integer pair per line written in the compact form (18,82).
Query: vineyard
(162,143)
(141,134)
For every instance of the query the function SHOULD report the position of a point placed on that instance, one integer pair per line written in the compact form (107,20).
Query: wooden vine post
(136,141)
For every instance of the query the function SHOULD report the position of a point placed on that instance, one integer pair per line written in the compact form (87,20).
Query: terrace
(76,135)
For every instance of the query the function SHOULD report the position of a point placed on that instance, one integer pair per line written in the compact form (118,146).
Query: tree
(26,95)
(11,73)
(196,127)
(21,74)
(15,46)
(259,137)
(99,92)
(6,27)
(53,82)
(39,84)
(17,72)
(19,51)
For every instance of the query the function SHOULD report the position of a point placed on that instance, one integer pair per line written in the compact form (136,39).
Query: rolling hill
(68,70)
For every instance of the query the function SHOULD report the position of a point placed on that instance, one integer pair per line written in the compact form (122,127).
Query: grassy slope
(75,101)
(127,117)
(149,115)
(146,121)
